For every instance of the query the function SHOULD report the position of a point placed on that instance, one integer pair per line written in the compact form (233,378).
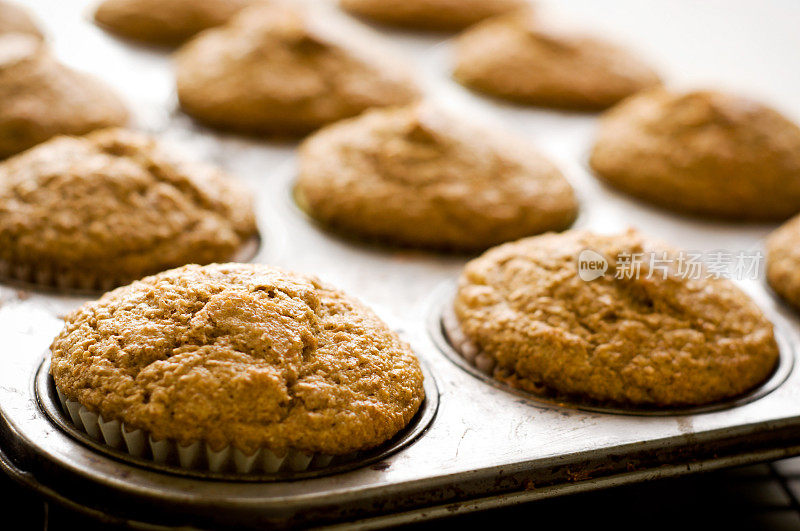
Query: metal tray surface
(486,447)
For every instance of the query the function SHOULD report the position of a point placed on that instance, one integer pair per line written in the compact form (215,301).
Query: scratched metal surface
(743,46)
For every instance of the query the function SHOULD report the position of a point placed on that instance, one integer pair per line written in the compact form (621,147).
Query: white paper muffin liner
(197,456)
(465,348)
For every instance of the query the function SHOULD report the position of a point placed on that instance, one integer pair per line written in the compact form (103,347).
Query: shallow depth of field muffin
(702,152)
(520,58)
(419,177)
(164,22)
(431,14)
(646,341)
(114,205)
(16,19)
(285,69)
(783,261)
(243,355)
(41,98)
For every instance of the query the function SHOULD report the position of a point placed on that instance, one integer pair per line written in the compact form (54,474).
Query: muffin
(242,356)
(16,19)
(113,206)
(430,14)
(520,58)
(41,98)
(286,70)
(164,22)
(783,261)
(662,338)
(704,153)
(416,176)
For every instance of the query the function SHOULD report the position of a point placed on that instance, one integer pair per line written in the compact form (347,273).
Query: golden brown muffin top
(783,261)
(519,57)
(704,152)
(287,70)
(113,203)
(431,14)
(15,19)
(42,98)
(418,176)
(240,354)
(623,339)
(164,22)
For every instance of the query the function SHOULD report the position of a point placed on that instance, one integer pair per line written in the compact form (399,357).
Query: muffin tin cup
(42,277)
(199,459)
(446,332)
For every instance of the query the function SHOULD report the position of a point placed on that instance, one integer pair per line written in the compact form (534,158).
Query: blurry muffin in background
(164,22)
(15,19)
(287,70)
(703,152)
(521,58)
(783,261)
(431,14)
(110,207)
(652,336)
(416,176)
(41,98)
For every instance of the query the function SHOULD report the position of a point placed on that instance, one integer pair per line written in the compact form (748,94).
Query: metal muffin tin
(486,447)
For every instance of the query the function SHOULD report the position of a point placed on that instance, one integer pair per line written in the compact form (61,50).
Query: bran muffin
(41,98)
(164,22)
(654,340)
(520,58)
(431,14)
(113,206)
(419,177)
(783,261)
(15,19)
(240,355)
(704,153)
(286,70)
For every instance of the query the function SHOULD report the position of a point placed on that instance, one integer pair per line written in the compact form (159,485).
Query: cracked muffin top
(431,14)
(657,339)
(417,176)
(16,19)
(115,204)
(164,22)
(521,58)
(286,70)
(240,354)
(783,261)
(42,98)
(702,152)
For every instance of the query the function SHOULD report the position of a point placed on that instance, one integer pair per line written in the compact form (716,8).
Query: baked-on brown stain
(674,341)
(243,355)
(419,177)
(702,152)
(114,204)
